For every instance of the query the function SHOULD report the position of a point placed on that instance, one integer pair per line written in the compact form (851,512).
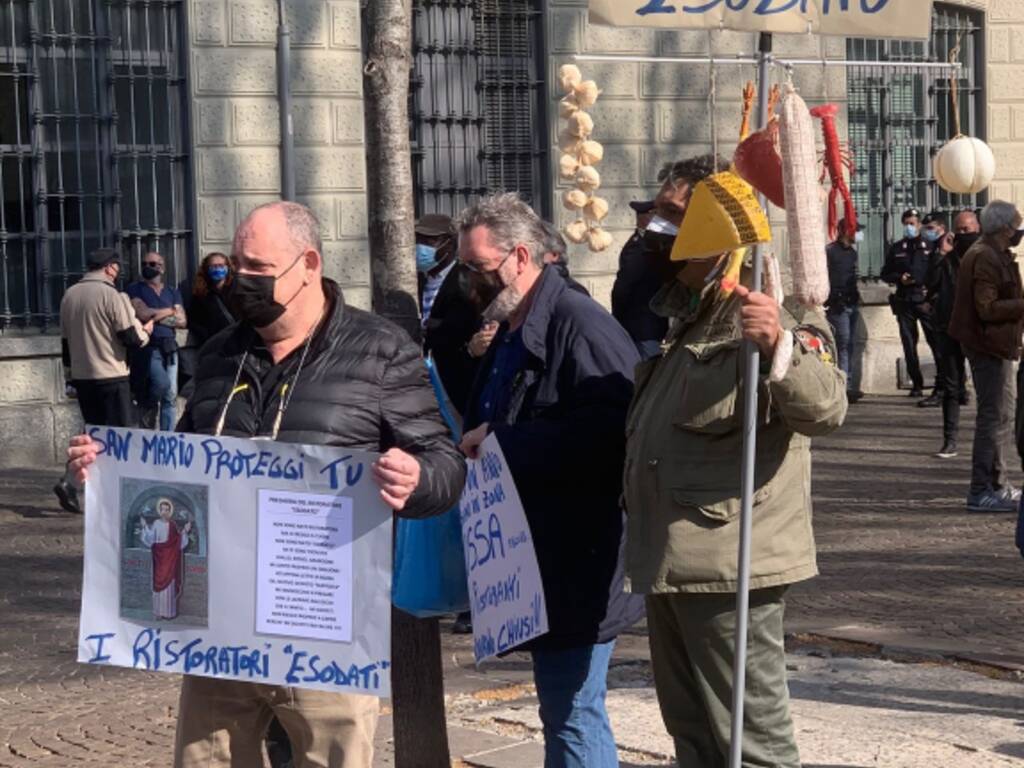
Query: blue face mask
(910,230)
(217,273)
(426,257)
(931,235)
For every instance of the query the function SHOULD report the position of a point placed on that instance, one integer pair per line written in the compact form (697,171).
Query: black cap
(910,212)
(434,225)
(101,257)
(642,206)
(935,218)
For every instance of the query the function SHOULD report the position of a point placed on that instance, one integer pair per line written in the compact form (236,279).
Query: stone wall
(237,135)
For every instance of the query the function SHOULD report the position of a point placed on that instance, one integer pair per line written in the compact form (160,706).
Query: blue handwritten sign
(245,560)
(846,18)
(505,589)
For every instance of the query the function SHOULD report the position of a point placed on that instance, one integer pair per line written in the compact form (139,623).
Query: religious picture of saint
(164,553)
(167,544)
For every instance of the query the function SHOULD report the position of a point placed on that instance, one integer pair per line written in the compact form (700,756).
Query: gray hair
(553,241)
(997,216)
(303,225)
(509,221)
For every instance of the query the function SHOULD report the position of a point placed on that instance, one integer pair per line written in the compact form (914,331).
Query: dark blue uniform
(911,256)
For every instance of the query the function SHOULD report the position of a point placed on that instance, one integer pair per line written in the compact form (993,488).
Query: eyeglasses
(476,270)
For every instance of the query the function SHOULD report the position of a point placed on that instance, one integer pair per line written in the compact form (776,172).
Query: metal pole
(753,362)
(284,104)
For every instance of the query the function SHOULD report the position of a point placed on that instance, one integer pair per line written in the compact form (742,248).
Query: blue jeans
(163,386)
(571,687)
(844,326)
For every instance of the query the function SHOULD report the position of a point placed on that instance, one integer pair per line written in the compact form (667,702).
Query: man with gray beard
(553,388)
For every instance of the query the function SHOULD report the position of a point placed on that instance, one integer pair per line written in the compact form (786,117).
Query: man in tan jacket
(682,493)
(98,325)
(987,320)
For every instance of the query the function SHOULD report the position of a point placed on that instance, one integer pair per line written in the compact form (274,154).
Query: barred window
(93,139)
(477,103)
(900,117)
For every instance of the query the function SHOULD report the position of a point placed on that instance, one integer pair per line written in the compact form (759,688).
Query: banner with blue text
(246,560)
(506,595)
(910,19)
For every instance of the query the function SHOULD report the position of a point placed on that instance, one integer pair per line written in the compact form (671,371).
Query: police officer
(906,267)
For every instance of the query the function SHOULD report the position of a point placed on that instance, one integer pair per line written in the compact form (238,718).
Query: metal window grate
(477,102)
(92,144)
(898,119)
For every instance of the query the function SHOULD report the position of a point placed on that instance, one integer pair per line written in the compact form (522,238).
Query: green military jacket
(685,445)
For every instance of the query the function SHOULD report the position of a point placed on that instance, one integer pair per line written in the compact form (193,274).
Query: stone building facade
(648,114)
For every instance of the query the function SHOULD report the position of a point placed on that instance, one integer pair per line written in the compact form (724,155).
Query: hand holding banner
(506,594)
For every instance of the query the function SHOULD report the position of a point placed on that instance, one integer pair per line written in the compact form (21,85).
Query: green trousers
(693,643)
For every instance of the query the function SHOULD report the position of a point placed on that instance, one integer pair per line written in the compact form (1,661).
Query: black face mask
(150,273)
(251,298)
(962,242)
(1016,238)
(658,248)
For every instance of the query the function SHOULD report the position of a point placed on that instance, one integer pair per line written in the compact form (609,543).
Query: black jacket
(842,277)
(454,319)
(363,386)
(564,440)
(635,285)
(911,255)
(207,316)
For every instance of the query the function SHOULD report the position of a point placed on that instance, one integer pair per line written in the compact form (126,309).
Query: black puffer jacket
(364,386)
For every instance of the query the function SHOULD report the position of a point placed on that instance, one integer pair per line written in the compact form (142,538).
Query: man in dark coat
(450,316)
(942,276)
(635,285)
(842,309)
(554,388)
(987,320)
(302,367)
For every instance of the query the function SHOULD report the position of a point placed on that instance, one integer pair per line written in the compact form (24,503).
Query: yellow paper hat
(723,215)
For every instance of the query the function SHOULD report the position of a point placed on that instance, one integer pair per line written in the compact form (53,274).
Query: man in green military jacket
(682,495)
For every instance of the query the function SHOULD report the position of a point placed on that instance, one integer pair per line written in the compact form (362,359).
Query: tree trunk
(420,732)
(389,160)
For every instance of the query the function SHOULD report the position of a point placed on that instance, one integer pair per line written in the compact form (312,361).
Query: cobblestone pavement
(902,565)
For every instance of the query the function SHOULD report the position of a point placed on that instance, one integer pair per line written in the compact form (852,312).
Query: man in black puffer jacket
(302,367)
(554,388)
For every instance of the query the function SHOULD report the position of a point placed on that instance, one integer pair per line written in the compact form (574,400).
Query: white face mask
(660,226)
(858,237)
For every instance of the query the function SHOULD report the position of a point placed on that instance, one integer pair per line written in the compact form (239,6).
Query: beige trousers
(222,724)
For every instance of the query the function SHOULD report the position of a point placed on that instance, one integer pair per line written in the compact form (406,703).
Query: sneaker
(989,501)
(854,397)
(1009,493)
(67,495)
(463,624)
(948,450)
(916,392)
(934,400)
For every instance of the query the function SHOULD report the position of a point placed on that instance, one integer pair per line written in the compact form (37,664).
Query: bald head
(966,222)
(300,223)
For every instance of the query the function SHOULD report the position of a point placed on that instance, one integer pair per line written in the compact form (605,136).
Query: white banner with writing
(844,18)
(506,595)
(246,560)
